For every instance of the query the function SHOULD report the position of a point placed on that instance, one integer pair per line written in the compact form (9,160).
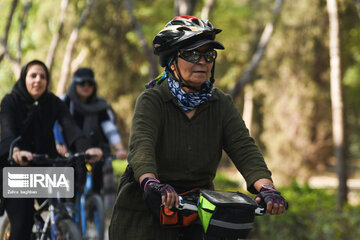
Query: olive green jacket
(186,152)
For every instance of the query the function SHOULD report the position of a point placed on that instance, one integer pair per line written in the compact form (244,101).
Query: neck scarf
(189,101)
(92,106)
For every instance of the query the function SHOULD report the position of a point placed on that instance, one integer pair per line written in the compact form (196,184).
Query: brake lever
(260,211)
(185,205)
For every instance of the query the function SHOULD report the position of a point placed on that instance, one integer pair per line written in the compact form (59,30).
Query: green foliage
(222,181)
(312,215)
(6,81)
(351,65)
(295,101)
(242,23)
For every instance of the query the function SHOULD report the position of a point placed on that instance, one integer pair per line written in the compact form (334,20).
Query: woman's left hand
(272,200)
(96,152)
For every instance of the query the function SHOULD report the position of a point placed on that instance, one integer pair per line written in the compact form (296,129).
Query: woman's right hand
(61,149)
(18,156)
(96,154)
(169,197)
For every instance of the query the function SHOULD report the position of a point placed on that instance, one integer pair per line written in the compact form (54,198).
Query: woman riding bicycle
(95,116)
(180,127)
(30,111)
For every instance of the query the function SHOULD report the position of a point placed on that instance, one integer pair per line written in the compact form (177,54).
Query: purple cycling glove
(268,193)
(154,185)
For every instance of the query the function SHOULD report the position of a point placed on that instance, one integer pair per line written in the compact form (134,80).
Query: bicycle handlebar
(11,150)
(44,159)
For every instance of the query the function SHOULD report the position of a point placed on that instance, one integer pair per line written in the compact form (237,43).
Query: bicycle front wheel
(95,218)
(67,230)
(5,229)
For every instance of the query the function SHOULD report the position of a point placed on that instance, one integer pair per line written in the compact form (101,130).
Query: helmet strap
(212,79)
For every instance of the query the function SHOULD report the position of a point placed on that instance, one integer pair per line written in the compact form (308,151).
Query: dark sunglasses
(89,83)
(195,56)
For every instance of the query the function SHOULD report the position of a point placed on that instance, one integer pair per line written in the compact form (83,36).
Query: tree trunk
(56,38)
(75,63)
(65,69)
(153,72)
(206,10)
(248,107)
(16,61)
(337,101)
(247,76)
(21,28)
(4,49)
(184,7)
(357,4)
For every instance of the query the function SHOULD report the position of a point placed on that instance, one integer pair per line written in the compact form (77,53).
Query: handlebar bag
(226,214)
(172,218)
(180,218)
(169,218)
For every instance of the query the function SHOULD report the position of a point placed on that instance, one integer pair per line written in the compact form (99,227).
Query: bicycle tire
(68,230)
(5,229)
(95,218)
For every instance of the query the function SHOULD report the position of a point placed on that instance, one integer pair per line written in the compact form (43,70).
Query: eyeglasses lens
(88,83)
(195,56)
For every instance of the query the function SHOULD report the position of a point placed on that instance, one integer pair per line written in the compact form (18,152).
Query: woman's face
(194,74)
(84,90)
(35,81)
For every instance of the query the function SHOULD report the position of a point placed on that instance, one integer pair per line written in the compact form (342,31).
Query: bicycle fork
(82,204)
(50,219)
(83,214)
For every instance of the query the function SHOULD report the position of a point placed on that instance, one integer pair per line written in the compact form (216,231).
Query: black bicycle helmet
(184,32)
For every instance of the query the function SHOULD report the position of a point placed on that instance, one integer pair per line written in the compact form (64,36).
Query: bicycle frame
(49,222)
(56,212)
(81,204)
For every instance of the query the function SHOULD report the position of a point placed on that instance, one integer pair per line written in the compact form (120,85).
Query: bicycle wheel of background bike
(68,230)
(95,218)
(5,229)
